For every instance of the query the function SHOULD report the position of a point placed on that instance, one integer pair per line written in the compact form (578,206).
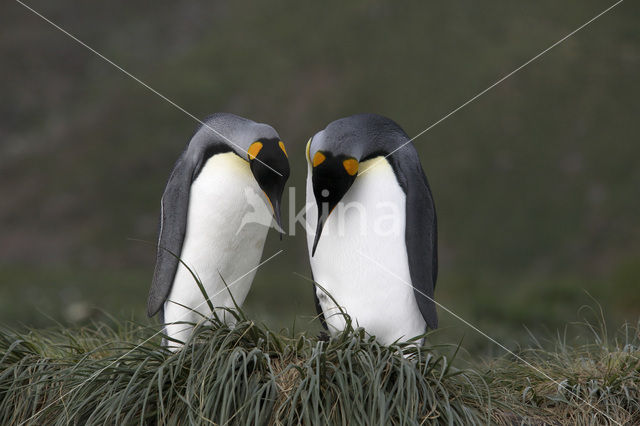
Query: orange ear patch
(254,149)
(281,144)
(318,159)
(351,166)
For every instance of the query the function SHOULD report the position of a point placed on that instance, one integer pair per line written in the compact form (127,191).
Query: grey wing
(420,234)
(318,307)
(173,226)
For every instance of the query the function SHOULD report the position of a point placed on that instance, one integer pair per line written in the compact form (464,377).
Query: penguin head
(257,143)
(332,176)
(335,153)
(334,167)
(270,167)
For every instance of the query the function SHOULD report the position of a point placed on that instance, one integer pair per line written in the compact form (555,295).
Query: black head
(332,176)
(270,167)
(335,152)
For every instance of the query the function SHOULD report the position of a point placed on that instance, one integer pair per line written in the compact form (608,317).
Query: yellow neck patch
(351,166)
(308,148)
(254,149)
(318,159)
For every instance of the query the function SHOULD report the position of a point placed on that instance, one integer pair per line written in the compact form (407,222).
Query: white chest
(227,224)
(366,228)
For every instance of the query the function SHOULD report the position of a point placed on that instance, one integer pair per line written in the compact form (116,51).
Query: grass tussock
(596,378)
(247,374)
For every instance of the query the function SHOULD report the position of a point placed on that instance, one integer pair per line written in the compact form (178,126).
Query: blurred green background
(536,183)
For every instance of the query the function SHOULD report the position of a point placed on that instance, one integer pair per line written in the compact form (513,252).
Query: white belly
(219,247)
(369,222)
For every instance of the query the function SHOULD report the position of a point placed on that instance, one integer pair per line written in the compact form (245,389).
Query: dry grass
(250,375)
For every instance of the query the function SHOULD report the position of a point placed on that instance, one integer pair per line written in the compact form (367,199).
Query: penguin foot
(323,337)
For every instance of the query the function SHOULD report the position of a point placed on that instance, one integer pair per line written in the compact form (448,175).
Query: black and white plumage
(232,169)
(379,275)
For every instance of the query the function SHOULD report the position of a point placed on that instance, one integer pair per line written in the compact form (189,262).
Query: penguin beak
(277,214)
(271,174)
(275,205)
(322,219)
(318,232)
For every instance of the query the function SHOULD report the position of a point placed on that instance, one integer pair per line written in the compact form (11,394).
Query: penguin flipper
(173,226)
(319,308)
(420,234)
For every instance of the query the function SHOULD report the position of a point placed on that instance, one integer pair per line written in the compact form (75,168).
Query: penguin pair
(374,247)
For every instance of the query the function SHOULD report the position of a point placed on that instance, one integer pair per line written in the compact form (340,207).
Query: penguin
(374,249)
(232,169)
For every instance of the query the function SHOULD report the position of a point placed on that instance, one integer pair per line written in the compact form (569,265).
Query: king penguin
(374,249)
(232,169)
